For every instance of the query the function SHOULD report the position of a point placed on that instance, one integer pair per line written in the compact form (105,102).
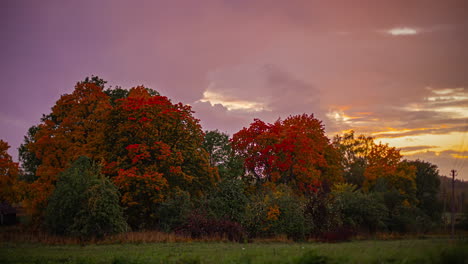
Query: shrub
(360,211)
(199,225)
(276,212)
(321,214)
(84,203)
(173,212)
(227,201)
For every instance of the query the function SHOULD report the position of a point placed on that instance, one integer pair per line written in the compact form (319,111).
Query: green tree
(84,203)
(360,211)
(353,151)
(228,200)
(28,159)
(427,189)
(221,155)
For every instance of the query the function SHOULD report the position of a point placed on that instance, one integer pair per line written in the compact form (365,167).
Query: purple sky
(393,69)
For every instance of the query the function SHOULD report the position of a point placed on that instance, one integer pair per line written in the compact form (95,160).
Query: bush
(199,225)
(322,215)
(84,203)
(276,212)
(227,201)
(173,212)
(360,211)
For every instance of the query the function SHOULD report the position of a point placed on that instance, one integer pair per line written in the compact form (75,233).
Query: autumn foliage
(294,151)
(8,175)
(146,144)
(277,178)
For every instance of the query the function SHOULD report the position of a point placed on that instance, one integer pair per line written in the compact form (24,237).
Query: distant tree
(95,80)
(84,203)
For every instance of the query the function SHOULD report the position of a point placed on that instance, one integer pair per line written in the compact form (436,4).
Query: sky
(395,70)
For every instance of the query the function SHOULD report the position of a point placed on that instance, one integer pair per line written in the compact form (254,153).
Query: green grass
(395,251)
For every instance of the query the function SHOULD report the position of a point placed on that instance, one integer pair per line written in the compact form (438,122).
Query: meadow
(368,251)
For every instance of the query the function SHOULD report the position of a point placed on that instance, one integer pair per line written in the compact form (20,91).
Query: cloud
(402,31)
(241,93)
(219,117)
(411,31)
(422,131)
(232,103)
(416,148)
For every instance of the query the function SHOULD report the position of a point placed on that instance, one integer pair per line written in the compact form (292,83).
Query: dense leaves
(294,151)
(148,146)
(150,160)
(427,189)
(154,148)
(222,156)
(8,175)
(84,203)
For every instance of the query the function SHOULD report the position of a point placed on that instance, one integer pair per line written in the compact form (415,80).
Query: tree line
(108,160)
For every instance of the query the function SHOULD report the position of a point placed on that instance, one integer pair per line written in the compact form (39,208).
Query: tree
(75,127)
(293,151)
(427,189)
(8,175)
(353,151)
(29,161)
(366,162)
(221,155)
(154,147)
(385,162)
(84,203)
(360,210)
(148,146)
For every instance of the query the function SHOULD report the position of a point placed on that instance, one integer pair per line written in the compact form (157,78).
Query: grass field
(395,251)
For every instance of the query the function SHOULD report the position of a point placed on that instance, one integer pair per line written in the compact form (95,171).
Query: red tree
(294,151)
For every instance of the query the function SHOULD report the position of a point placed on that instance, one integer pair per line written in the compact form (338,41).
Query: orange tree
(294,151)
(75,127)
(147,145)
(367,163)
(8,175)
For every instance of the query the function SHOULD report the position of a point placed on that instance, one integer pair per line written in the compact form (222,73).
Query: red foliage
(294,151)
